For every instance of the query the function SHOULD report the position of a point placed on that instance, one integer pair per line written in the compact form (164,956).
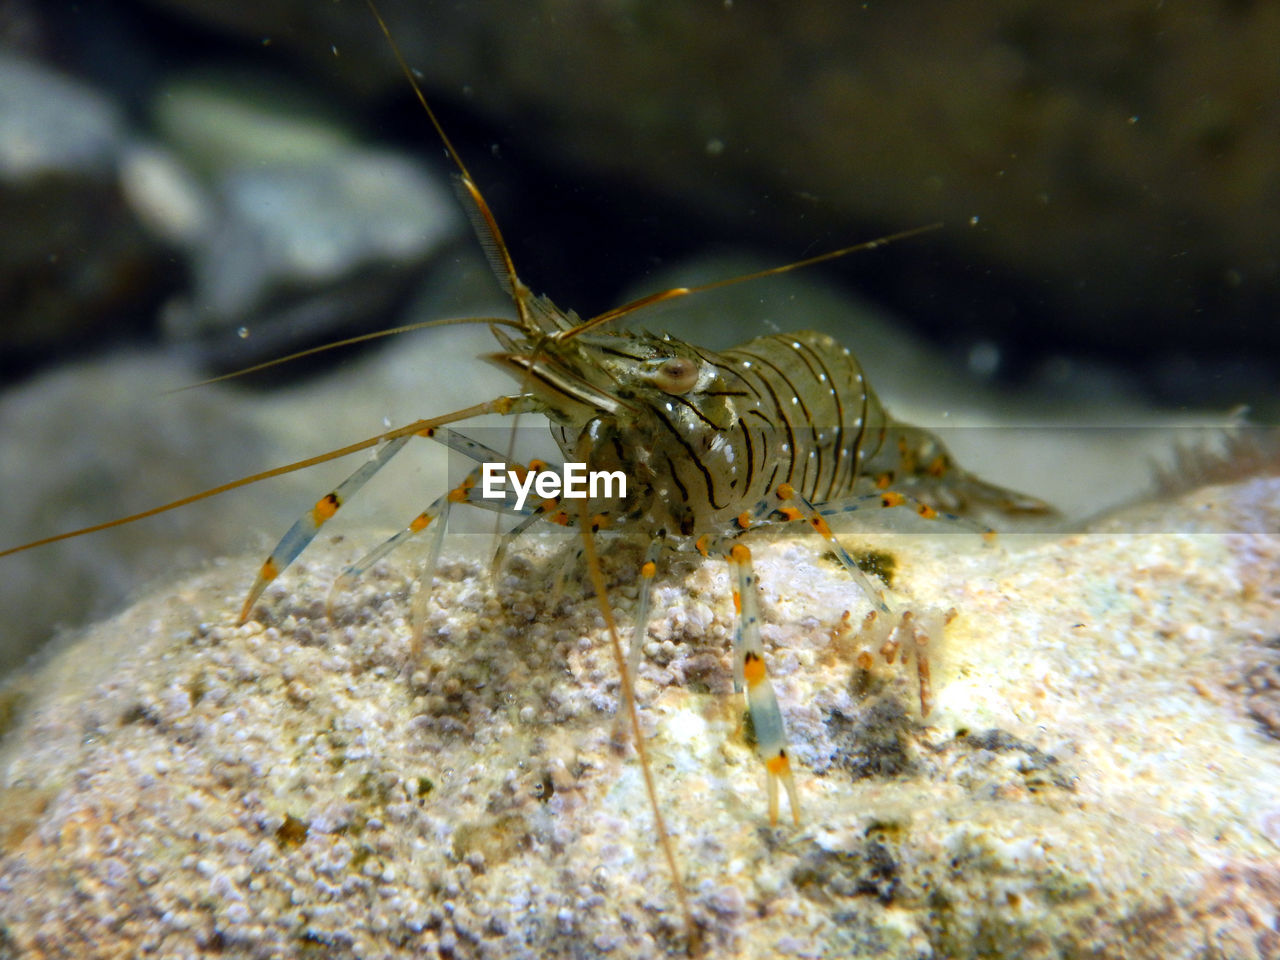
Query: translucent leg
(435,518)
(750,670)
(306,527)
(648,570)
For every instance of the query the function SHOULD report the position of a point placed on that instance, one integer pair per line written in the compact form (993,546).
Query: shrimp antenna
(662,296)
(482,218)
(336,344)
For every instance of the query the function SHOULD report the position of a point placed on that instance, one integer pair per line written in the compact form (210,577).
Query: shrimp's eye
(676,375)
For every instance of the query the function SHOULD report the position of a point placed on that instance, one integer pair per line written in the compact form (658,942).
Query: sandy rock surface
(1098,777)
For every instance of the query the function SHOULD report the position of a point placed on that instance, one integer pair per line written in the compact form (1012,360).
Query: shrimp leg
(750,671)
(306,527)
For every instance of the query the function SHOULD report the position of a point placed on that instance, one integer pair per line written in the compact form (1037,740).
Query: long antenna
(347,342)
(422,427)
(676,292)
(482,217)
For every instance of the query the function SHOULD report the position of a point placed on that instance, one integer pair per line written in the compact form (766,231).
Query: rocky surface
(1099,775)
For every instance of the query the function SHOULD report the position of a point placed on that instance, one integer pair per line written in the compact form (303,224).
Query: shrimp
(783,429)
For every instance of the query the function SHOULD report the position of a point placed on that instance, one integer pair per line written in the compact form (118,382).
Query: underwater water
(260,181)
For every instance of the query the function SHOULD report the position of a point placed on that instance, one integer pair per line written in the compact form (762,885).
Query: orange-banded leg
(750,673)
(884,623)
(531,511)
(435,517)
(909,630)
(471,449)
(889,499)
(535,510)
(556,511)
(788,506)
(306,527)
(529,516)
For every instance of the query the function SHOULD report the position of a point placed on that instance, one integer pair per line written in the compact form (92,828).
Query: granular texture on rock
(1094,780)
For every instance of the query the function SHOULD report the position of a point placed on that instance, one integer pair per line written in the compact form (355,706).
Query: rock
(74,260)
(309,234)
(258,213)
(1094,779)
